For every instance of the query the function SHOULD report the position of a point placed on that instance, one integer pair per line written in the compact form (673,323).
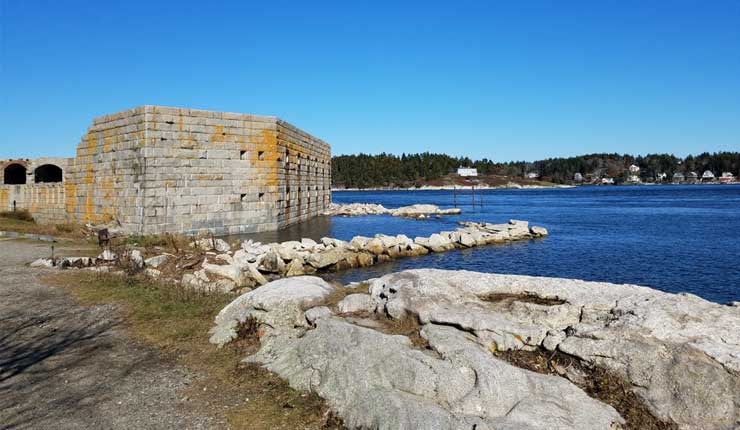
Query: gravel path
(66,366)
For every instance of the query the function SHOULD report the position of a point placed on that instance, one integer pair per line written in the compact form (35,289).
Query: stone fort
(156,169)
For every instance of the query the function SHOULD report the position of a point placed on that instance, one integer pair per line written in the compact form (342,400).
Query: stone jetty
(215,265)
(413,211)
(456,350)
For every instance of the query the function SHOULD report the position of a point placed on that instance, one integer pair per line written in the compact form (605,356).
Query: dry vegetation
(176,320)
(21,221)
(595,381)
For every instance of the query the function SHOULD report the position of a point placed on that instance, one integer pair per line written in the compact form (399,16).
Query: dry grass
(21,221)
(174,243)
(176,320)
(509,298)
(20,215)
(407,326)
(596,382)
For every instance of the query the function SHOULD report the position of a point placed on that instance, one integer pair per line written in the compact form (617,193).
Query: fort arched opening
(47,173)
(14,174)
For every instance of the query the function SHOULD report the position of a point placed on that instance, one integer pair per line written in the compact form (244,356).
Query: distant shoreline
(459,187)
(515,187)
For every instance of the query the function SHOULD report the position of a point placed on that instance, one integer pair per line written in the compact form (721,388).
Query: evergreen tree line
(388,170)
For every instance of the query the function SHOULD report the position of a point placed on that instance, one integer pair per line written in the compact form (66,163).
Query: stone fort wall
(158,169)
(44,199)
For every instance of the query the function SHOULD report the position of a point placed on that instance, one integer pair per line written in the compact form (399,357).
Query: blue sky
(503,80)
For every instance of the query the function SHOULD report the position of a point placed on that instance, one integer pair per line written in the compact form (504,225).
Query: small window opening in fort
(242,197)
(47,173)
(261,155)
(243,155)
(14,174)
(261,197)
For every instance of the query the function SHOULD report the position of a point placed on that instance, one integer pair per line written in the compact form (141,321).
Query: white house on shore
(634,176)
(533,175)
(726,178)
(707,176)
(467,171)
(678,177)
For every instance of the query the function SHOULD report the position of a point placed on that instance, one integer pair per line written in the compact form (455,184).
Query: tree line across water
(388,170)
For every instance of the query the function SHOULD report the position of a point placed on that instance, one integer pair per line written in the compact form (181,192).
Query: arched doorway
(14,174)
(47,173)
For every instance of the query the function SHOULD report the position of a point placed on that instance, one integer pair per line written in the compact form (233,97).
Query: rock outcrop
(678,354)
(413,211)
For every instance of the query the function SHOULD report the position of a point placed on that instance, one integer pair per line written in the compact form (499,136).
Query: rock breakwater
(419,211)
(214,264)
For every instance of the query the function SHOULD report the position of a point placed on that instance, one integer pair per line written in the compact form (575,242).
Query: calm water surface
(673,238)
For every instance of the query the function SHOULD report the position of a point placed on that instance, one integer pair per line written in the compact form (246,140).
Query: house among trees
(467,171)
(726,178)
(578,177)
(708,176)
(533,175)
(660,177)
(678,178)
(607,181)
(692,177)
(634,174)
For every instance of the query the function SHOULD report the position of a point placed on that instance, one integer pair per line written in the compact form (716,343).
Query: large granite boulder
(278,304)
(380,381)
(680,353)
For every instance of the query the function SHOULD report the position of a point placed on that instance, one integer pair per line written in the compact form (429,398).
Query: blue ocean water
(673,238)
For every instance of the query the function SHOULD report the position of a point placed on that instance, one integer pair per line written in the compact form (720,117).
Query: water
(673,238)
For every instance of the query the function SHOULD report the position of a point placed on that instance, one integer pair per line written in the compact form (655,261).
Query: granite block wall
(158,169)
(30,190)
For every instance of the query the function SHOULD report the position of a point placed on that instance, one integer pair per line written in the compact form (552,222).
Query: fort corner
(158,169)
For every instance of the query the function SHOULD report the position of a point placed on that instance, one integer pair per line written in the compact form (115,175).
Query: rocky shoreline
(212,264)
(419,211)
(675,356)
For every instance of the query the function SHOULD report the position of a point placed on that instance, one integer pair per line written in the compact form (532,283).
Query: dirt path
(66,366)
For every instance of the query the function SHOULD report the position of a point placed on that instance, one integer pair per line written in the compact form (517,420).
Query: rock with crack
(326,258)
(157,260)
(210,244)
(380,381)
(278,305)
(357,303)
(679,353)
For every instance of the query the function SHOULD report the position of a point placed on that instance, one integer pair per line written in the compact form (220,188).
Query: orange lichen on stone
(271,145)
(4,198)
(70,197)
(219,135)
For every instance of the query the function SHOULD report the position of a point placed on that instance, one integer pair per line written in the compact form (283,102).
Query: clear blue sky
(503,80)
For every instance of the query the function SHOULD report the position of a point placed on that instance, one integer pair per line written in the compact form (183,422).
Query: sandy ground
(66,366)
